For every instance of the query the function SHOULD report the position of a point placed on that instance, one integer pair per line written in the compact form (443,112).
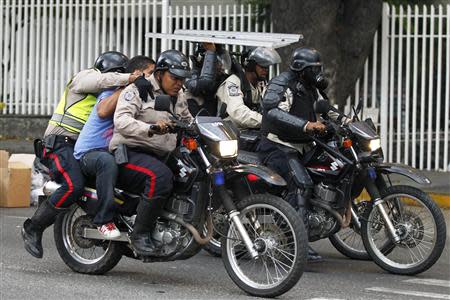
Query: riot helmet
(307,62)
(175,62)
(111,61)
(265,57)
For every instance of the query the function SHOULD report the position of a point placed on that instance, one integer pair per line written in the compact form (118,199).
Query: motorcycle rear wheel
(280,234)
(418,221)
(80,254)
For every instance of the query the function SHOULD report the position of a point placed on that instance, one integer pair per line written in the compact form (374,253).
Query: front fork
(374,193)
(233,214)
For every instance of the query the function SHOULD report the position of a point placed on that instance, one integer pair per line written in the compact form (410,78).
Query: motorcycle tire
(71,246)
(410,227)
(282,241)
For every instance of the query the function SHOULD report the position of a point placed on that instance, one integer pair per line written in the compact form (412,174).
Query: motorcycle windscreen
(363,130)
(214,129)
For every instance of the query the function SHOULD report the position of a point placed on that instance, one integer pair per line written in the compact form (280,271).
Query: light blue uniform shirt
(97,132)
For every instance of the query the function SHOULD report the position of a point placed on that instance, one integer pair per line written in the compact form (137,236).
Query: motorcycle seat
(247,157)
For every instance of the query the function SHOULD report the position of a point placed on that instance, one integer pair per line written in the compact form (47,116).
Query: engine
(320,222)
(171,235)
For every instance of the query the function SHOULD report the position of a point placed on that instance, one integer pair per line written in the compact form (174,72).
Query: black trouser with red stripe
(147,175)
(65,170)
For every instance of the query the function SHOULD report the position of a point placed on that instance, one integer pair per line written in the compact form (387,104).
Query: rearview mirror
(322,106)
(162,103)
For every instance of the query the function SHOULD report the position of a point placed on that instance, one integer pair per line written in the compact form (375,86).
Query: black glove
(145,88)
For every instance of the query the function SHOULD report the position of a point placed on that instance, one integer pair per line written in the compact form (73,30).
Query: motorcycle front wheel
(280,238)
(418,222)
(80,254)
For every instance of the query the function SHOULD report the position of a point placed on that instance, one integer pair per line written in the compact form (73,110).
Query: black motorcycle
(264,248)
(401,228)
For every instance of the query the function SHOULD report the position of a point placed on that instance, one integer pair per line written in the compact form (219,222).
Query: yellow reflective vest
(74,117)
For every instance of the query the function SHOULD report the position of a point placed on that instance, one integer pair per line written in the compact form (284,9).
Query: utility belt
(121,153)
(50,143)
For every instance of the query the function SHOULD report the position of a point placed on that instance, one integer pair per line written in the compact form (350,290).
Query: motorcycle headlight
(375,144)
(228,148)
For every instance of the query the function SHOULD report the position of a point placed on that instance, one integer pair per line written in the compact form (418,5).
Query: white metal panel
(56,55)
(407,83)
(415,84)
(384,77)
(31,65)
(24,71)
(399,86)
(133,31)
(19,61)
(423,87)
(37,99)
(140,27)
(118,26)
(430,90)
(125,44)
(91,34)
(447,93)
(83,43)
(63,77)
(391,88)
(45,104)
(438,90)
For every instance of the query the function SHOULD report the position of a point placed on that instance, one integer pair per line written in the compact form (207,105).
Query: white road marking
(408,293)
(436,282)
(16,217)
(325,299)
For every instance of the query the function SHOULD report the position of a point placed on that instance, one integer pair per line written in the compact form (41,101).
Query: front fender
(262,172)
(405,170)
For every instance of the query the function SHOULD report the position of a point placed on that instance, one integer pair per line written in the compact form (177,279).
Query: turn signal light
(190,144)
(347,143)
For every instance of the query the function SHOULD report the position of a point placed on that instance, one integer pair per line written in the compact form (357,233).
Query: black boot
(147,213)
(33,228)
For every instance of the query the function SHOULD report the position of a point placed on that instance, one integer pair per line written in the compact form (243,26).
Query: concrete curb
(442,200)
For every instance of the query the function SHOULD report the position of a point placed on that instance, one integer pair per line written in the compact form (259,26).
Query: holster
(39,148)
(121,154)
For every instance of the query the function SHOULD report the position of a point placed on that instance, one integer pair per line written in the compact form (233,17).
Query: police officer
(203,84)
(241,94)
(144,172)
(64,126)
(288,119)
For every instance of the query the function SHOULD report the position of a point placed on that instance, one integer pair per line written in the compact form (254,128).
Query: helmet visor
(181,73)
(224,60)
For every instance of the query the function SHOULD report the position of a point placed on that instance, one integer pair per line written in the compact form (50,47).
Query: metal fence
(44,42)
(404,87)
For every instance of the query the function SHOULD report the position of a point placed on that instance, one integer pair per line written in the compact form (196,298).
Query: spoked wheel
(418,222)
(80,254)
(348,241)
(280,240)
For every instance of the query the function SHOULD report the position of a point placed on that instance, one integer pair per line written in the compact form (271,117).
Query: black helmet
(111,61)
(304,57)
(265,57)
(175,62)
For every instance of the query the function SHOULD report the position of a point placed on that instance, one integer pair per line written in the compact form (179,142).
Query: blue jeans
(101,165)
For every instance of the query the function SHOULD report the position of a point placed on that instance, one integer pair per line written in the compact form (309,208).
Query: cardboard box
(15,182)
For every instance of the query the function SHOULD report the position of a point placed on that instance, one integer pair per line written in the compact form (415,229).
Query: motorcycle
(264,249)
(401,228)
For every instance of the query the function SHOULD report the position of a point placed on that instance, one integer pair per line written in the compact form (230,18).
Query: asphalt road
(201,277)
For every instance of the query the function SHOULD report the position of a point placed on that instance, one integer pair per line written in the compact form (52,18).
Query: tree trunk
(341,30)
